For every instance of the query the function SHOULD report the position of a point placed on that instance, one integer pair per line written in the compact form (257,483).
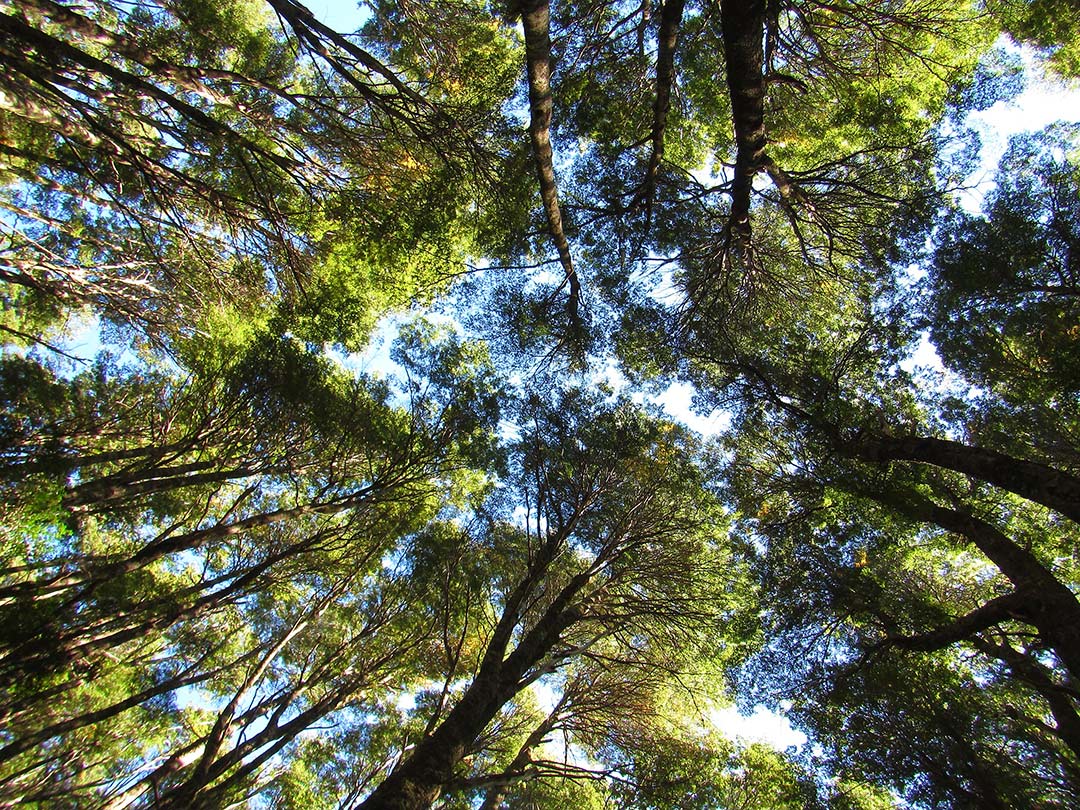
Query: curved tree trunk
(536,20)
(1040,483)
(1041,600)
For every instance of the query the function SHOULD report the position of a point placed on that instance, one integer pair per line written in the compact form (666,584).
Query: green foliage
(236,571)
(1002,285)
(714,773)
(899,723)
(573,794)
(1049,25)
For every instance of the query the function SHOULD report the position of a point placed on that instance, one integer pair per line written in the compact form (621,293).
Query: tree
(348,476)
(1000,300)
(164,161)
(238,571)
(616,512)
(887,534)
(1047,25)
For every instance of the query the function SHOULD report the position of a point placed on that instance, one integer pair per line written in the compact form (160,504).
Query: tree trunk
(419,780)
(1040,483)
(743,27)
(996,611)
(670,20)
(536,20)
(1046,603)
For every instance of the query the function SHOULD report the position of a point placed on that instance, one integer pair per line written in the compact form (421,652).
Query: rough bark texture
(536,19)
(743,27)
(670,20)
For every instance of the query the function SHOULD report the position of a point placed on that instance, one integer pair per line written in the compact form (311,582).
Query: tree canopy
(334,467)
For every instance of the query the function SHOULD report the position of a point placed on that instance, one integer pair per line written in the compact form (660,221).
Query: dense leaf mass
(256,551)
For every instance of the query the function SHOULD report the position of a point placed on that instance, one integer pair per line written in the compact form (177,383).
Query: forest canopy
(255,553)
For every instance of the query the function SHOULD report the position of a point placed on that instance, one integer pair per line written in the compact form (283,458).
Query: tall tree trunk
(536,20)
(420,779)
(743,28)
(670,20)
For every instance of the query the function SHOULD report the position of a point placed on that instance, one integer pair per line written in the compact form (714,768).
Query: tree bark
(536,20)
(670,20)
(419,780)
(1037,482)
(1000,609)
(1046,603)
(743,30)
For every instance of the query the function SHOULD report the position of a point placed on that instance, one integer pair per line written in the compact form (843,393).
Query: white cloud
(676,402)
(762,726)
